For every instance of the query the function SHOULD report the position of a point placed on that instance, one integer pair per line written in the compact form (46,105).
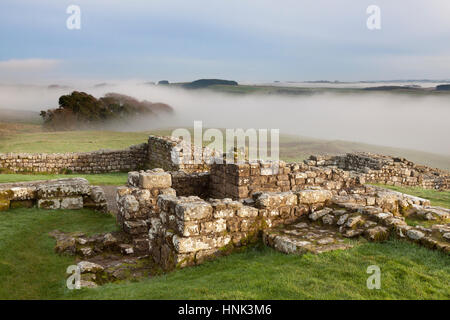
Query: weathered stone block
(23,193)
(415,234)
(4,205)
(193,211)
(188,228)
(193,244)
(51,204)
(150,180)
(215,226)
(270,199)
(6,194)
(135,227)
(314,196)
(378,233)
(97,194)
(247,212)
(72,203)
(316,215)
(133,179)
(130,206)
(63,188)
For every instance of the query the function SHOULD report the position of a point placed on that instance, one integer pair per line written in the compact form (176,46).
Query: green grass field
(292,148)
(437,198)
(115,179)
(70,141)
(29,269)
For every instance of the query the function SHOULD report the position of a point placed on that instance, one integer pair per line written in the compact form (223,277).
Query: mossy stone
(4,205)
(6,194)
(21,204)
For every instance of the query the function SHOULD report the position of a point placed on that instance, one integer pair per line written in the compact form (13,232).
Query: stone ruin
(179,231)
(173,216)
(75,193)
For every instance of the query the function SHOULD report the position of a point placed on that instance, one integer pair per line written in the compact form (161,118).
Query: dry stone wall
(191,184)
(236,181)
(387,170)
(240,181)
(135,157)
(180,231)
(52,194)
(137,204)
(377,214)
(169,153)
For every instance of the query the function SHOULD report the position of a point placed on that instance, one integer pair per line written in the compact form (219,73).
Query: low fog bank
(415,122)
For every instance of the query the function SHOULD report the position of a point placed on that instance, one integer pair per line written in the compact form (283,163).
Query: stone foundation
(137,204)
(387,170)
(240,181)
(68,194)
(191,184)
(179,231)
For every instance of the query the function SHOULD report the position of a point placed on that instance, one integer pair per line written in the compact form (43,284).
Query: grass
(408,272)
(116,179)
(437,198)
(70,141)
(292,148)
(29,269)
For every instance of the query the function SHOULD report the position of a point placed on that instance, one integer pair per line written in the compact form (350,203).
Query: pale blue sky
(246,40)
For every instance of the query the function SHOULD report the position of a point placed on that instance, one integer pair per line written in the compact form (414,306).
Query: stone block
(23,193)
(4,205)
(150,180)
(188,228)
(63,188)
(72,203)
(190,211)
(193,244)
(97,194)
(21,204)
(314,196)
(215,226)
(135,227)
(6,194)
(247,212)
(50,204)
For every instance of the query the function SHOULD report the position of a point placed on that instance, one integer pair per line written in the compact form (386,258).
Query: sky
(243,40)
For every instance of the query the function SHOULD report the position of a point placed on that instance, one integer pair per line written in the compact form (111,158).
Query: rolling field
(29,268)
(292,148)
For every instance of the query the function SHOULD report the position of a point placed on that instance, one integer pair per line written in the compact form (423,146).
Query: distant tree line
(80,110)
(204,83)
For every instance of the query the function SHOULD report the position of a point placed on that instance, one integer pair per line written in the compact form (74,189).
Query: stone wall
(52,194)
(135,157)
(191,184)
(236,181)
(180,231)
(137,204)
(190,230)
(387,170)
(240,181)
(169,153)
